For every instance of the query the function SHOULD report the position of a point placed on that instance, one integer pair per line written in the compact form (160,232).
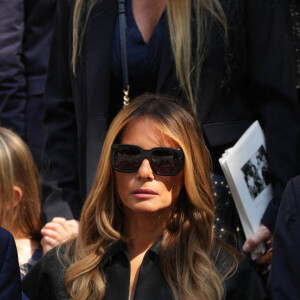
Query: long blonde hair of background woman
(187,242)
(17,168)
(180,13)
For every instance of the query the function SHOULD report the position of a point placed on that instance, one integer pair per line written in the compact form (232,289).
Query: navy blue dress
(284,277)
(10,281)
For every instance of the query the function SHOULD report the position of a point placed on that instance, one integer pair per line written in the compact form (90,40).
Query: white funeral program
(245,167)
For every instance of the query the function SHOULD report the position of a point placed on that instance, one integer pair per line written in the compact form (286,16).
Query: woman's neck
(147,14)
(143,230)
(140,242)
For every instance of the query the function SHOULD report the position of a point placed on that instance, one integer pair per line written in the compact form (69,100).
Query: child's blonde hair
(17,169)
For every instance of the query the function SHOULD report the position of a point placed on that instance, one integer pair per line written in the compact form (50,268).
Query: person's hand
(261,235)
(58,231)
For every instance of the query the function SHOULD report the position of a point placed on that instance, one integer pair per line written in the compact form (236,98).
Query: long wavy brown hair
(188,56)
(188,248)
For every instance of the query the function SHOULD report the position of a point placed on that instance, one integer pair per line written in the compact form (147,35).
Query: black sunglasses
(163,161)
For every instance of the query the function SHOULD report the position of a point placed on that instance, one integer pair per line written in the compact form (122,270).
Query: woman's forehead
(148,130)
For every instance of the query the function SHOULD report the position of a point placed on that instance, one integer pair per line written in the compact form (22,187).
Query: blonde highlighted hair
(188,241)
(188,57)
(17,168)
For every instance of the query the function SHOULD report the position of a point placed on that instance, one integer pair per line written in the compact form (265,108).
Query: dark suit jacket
(284,277)
(260,86)
(12,70)
(10,279)
(25,39)
(39,20)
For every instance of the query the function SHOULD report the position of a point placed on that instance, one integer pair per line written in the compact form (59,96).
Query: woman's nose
(145,170)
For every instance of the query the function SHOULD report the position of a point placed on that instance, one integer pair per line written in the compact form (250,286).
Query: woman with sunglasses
(146,229)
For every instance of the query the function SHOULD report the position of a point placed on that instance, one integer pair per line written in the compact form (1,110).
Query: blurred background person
(25,36)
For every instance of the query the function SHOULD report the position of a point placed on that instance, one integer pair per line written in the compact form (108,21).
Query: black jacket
(25,39)
(258,85)
(45,279)
(284,276)
(10,280)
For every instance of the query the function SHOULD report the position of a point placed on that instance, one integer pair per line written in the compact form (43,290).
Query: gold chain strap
(126,99)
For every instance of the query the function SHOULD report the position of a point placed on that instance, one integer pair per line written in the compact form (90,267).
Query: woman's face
(144,191)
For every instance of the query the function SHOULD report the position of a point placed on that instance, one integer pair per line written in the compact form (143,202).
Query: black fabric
(143,58)
(258,84)
(295,29)
(151,283)
(123,46)
(227,222)
(10,279)
(44,281)
(39,19)
(284,276)
(25,39)
(12,68)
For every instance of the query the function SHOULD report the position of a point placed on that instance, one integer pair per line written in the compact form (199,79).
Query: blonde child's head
(20,210)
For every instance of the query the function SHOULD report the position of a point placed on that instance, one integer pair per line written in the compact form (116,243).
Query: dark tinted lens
(127,159)
(165,161)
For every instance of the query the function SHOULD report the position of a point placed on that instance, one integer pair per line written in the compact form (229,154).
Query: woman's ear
(18,194)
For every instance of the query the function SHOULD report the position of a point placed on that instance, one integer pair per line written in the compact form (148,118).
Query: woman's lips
(144,193)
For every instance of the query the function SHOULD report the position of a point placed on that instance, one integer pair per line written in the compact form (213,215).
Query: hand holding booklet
(245,167)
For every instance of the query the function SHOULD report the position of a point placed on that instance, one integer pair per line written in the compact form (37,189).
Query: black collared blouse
(45,280)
